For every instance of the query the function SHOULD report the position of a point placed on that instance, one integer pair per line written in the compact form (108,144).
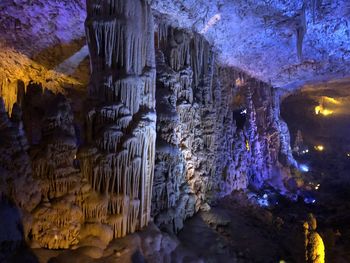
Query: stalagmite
(119,160)
(314,246)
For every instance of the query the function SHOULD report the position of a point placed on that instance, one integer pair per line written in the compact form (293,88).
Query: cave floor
(236,230)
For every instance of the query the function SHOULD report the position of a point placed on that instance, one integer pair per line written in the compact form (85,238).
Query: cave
(174,131)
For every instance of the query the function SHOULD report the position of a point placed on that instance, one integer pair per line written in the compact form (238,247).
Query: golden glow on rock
(247,145)
(325,112)
(314,246)
(327,106)
(17,67)
(319,148)
(331,100)
(239,82)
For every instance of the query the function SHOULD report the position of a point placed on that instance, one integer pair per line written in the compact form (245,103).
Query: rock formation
(314,247)
(19,192)
(118,160)
(15,165)
(265,38)
(57,220)
(217,129)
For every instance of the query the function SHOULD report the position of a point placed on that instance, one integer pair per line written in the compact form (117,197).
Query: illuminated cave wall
(119,158)
(202,152)
(36,36)
(163,134)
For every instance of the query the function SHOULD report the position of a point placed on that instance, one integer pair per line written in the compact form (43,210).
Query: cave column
(121,123)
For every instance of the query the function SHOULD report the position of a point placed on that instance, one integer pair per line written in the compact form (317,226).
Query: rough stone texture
(37,25)
(207,145)
(58,218)
(150,245)
(36,36)
(118,160)
(19,192)
(264,38)
(17,71)
(217,130)
(17,184)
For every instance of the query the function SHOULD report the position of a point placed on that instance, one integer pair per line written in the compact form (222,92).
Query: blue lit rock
(260,37)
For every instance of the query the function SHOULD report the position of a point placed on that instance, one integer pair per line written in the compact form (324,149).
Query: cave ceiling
(286,43)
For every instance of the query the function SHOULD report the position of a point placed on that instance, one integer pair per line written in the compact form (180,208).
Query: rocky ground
(236,230)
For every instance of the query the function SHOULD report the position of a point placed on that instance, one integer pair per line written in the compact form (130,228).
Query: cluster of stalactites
(117,40)
(175,43)
(53,163)
(202,61)
(125,178)
(183,50)
(119,166)
(8,92)
(132,92)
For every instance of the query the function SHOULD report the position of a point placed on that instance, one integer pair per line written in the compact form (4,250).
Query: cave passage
(320,141)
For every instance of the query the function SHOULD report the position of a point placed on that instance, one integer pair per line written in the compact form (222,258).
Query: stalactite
(315,5)
(8,93)
(301,28)
(122,125)
(53,164)
(202,59)
(162,34)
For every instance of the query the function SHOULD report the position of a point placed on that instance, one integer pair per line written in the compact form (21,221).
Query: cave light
(309,200)
(319,148)
(321,110)
(304,168)
(247,145)
(331,100)
(239,82)
(348,154)
(305,151)
(317,186)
